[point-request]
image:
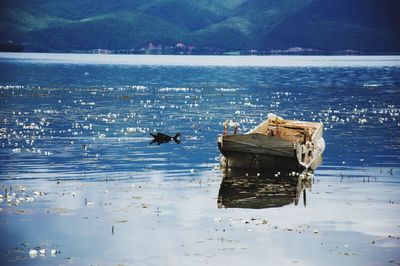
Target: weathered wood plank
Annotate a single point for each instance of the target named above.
(258, 144)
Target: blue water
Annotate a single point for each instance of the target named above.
(69, 119)
(111, 108)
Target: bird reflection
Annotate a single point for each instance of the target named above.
(240, 189)
(161, 138)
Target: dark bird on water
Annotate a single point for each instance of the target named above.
(160, 138)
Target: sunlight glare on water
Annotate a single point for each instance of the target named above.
(74, 119)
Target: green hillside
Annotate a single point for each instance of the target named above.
(55, 25)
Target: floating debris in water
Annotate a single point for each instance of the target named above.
(33, 253)
(218, 219)
(42, 252)
(38, 193)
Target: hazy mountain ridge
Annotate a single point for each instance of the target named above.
(50, 25)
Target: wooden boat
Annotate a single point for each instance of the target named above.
(276, 143)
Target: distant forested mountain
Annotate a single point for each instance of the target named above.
(63, 25)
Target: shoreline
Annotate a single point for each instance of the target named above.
(207, 60)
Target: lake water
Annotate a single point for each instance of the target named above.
(76, 127)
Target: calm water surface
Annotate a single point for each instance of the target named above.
(72, 119)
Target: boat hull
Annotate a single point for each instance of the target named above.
(257, 151)
(262, 153)
(259, 161)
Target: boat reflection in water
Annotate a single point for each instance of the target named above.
(241, 189)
